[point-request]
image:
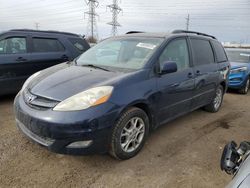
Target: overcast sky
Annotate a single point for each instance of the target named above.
(228, 20)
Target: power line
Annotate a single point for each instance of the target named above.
(45, 17)
(115, 9)
(68, 14)
(26, 6)
(92, 26)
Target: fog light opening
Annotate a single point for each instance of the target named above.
(80, 144)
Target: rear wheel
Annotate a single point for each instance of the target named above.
(215, 104)
(129, 134)
(245, 89)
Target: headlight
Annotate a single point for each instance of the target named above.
(29, 79)
(85, 99)
(238, 70)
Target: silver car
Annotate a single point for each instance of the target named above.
(236, 161)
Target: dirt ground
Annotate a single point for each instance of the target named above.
(183, 153)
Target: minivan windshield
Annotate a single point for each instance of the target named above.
(238, 55)
(130, 53)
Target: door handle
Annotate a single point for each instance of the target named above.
(65, 57)
(198, 73)
(190, 75)
(21, 59)
(175, 85)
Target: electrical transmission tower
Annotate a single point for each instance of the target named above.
(92, 27)
(37, 25)
(115, 9)
(187, 22)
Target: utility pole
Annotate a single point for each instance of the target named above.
(37, 25)
(92, 27)
(115, 9)
(187, 22)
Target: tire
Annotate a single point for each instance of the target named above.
(129, 134)
(215, 104)
(245, 89)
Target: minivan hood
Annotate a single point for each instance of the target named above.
(62, 81)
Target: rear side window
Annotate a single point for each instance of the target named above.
(13, 45)
(79, 44)
(202, 52)
(219, 51)
(47, 45)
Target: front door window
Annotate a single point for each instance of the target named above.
(13, 45)
(176, 51)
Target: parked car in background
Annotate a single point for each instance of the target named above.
(114, 94)
(236, 161)
(239, 77)
(24, 52)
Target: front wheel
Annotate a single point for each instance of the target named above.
(129, 134)
(245, 89)
(215, 104)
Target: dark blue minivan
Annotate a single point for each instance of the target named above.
(113, 95)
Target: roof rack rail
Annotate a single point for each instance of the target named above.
(48, 31)
(192, 32)
(132, 32)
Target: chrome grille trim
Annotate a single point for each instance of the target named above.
(38, 101)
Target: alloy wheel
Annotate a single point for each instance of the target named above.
(218, 98)
(247, 86)
(132, 134)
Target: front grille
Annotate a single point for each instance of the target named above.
(236, 79)
(38, 102)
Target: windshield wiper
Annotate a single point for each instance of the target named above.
(95, 66)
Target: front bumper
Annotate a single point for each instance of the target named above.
(57, 130)
(237, 80)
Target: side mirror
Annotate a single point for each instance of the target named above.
(168, 67)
